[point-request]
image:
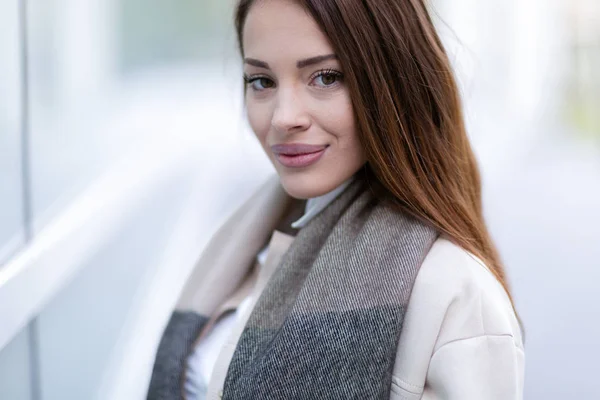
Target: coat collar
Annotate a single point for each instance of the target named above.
(230, 253)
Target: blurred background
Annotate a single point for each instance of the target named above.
(123, 146)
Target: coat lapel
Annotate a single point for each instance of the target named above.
(278, 245)
(230, 254)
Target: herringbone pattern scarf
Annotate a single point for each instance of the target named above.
(328, 323)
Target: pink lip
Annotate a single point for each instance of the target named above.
(298, 155)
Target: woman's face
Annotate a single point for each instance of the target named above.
(297, 102)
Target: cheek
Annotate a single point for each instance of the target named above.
(348, 125)
(259, 117)
(340, 122)
(338, 119)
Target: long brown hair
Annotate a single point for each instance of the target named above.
(408, 112)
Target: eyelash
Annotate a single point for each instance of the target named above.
(249, 80)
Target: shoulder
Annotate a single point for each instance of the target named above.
(455, 299)
(454, 282)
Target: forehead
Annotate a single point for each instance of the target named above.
(277, 29)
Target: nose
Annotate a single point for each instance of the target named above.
(290, 114)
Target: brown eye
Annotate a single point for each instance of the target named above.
(259, 83)
(327, 79)
(266, 83)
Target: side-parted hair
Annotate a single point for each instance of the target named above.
(408, 112)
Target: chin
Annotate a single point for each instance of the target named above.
(305, 186)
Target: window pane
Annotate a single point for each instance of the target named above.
(109, 76)
(11, 216)
(168, 31)
(584, 67)
(80, 328)
(15, 379)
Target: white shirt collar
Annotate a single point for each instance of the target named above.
(316, 204)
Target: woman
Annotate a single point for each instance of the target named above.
(363, 269)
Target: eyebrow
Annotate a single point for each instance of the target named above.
(315, 60)
(300, 64)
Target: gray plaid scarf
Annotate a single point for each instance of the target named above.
(328, 323)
